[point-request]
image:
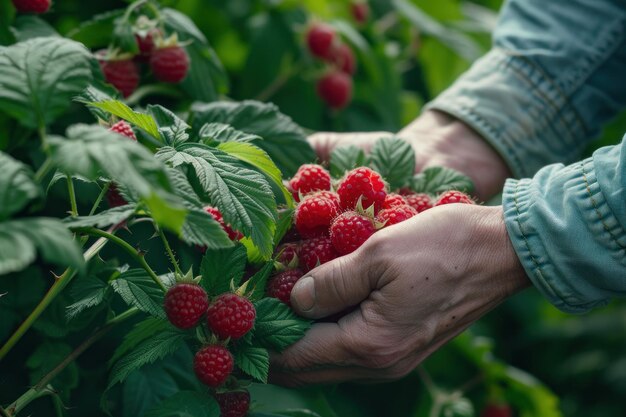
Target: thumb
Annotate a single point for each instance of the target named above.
(332, 287)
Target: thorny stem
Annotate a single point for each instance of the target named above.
(134, 253)
(72, 193)
(96, 204)
(168, 248)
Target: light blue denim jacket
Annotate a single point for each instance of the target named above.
(555, 75)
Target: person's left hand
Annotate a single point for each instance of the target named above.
(415, 286)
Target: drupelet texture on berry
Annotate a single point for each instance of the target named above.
(231, 315)
(185, 304)
(213, 364)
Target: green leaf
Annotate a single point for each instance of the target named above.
(97, 92)
(7, 14)
(28, 27)
(124, 37)
(139, 290)
(258, 281)
(45, 357)
(206, 79)
(285, 221)
(200, 228)
(394, 159)
(437, 180)
(242, 195)
(17, 186)
(346, 158)
(277, 326)
(173, 129)
(21, 239)
(39, 77)
(259, 159)
(105, 218)
(153, 347)
(186, 404)
(220, 267)
(283, 140)
(220, 132)
(253, 361)
(121, 110)
(141, 332)
(90, 292)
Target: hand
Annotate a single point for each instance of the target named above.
(438, 140)
(415, 286)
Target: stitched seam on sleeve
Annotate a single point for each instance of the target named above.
(594, 203)
(521, 230)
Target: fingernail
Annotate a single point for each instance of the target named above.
(303, 294)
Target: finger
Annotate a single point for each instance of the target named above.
(332, 287)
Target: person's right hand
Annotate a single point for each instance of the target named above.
(438, 140)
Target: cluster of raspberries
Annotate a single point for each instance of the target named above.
(331, 223)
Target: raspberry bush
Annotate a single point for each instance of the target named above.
(159, 201)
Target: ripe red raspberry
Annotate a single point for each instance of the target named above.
(314, 252)
(123, 74)
(184, 304)
(231, 315)
(213, 364)
(233, 403)
(170, 64)
(349, 231)
(360, 11)
(394, 200)
(287, 252)
(124, 129)
(497, 410)
(145, 43)
(343, 57)
(395, 215)
(310, 177)
(32, 6)
(365, 184)
(280, 285)
(314, 214)
(335, 89)
(419, 202)
(452, 197)
(217, 215)
(320, 39)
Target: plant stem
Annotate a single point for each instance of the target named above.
(28, 397)
(3, 412)
(72, 193)
(169, 250)
(278, 83)
(134, 253)
(99, 199)
(43, 169)
(44, 140)
(59, 284)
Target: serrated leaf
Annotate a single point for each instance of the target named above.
(121, 110)
(346, 158)
(97, 92)
(60, 176)
(394, 159)
(285, 221)
(89, 291)
(277, 326)
(437, 180)
(242, 195)
(259, 159)
(105, 218)
(253, 361)
(45, 357)
(220, 267)
(201, 229)
(28, 27)
(154, 346)
(20, 240)
(137, 289)
(186, 404)
(172, 128)
(283, 140)
(140, 332)
(17, 186)
(258, 281)
(39, 77)
(220, 132)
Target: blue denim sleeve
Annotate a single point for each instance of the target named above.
(568, 228)
(555, 75)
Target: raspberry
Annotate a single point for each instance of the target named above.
(365, 184)
(292, 235)
(452, 197)
(123, 74)
(316, 252)
(123, 129)
(184, 304)
(497, 410)
(32, 6)
(360, 11)
(314, 215)
(231, 315)
(286, 253)
(233, 403)
(170, 64)
(335, 89)
(343, 57)
(217, 215)
(213, 364)
(349, 231)
(419, 202)
(394, 200)
(320, 39)
(395, 215)
(280, 285)
(310, 177)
